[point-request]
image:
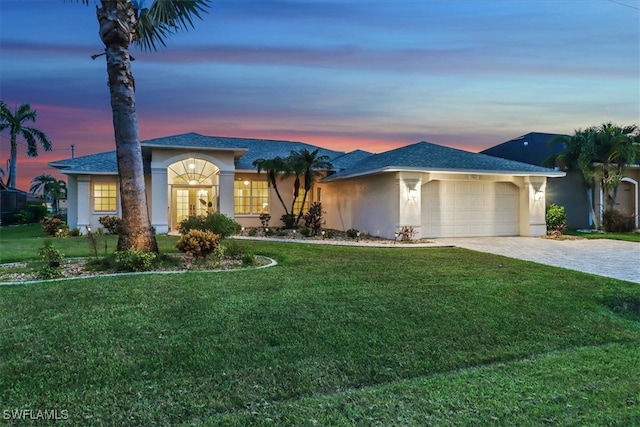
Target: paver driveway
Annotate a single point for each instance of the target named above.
(604, 257)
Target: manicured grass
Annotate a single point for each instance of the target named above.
(628, 237)
(330, 336)
(21, 243)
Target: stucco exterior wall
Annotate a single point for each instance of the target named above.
(369, 204)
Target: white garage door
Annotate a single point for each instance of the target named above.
(469, 208)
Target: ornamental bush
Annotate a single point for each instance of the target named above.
(132, 260)
(216, 223)
(111, 223)
(556, 219)
(54, 226)
(353, 233)
(198, 243)
(313, 218)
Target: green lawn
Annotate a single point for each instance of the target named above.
(330, 336)
(628, 237)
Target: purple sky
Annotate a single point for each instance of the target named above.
(373, 75)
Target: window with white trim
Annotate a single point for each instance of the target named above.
(250, 197)
(104, 197)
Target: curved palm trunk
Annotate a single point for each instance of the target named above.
(116, 18)
(272, 178)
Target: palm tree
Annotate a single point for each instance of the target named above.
(273, 167)
(122, 23)
(600, 153)
(310, 165)
(15, 123)
(49, 188)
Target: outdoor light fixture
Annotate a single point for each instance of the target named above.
(322, 232)
(413, 194)
(539, 195)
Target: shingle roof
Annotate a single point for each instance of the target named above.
(532, 148)
(420, 156)
(425, 156)
(247, 150)
(347, 160)
(100, 163)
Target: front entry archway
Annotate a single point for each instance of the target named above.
(193, 189)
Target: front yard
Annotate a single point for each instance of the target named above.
(330, 336)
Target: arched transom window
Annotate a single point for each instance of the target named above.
(193, 171)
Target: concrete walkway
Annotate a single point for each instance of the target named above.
(603, 257)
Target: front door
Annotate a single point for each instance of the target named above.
(188, 201)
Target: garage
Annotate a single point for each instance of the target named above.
(468, 208)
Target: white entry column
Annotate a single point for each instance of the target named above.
(159, 200)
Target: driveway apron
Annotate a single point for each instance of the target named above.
(603, 257)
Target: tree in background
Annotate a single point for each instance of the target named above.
(311, 165)
(273, 167)
(305, 166)
(14, 122)
(600, 153)
(123, 23)
(50, 188)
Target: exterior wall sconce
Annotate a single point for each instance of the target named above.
(413, 194)
(539, 195)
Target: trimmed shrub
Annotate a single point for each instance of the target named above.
(353, 233)
(249, 259)
(54, 226)
(49, 272)
(198, 243)
(52, 257)
(556, 219)
(289, 220)
(22, 217)
(216, 223)
(48, 253)
(305, 231)
(132, 260)
(614, 221)
(75, 232)
(406, 233)
(112, 224)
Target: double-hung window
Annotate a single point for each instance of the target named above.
(250, 197)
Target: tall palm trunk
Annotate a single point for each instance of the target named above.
(13, 169)
(117, 19)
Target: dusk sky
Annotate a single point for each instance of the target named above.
(341, 74)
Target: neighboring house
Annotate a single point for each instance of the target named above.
(570, 191)
(438, 191)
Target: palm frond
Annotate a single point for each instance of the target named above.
(165, 18)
